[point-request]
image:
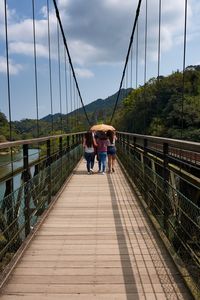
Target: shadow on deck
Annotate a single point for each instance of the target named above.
(96, 243)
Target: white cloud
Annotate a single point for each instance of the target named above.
(83, 53)
(28, 49)
(23, 31)
(98, 32)
(14, 68)
(84, 73)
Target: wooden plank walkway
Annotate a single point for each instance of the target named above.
(96, 243)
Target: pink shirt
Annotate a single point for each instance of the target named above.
(102, 145)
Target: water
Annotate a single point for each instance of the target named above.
(6, 167)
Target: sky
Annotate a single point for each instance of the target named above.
(98, 34)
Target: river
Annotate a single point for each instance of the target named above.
(6, 167)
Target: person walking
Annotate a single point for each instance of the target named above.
(111, 150)
(102, 143)
(89, 143)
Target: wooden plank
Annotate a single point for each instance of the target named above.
(95, 244)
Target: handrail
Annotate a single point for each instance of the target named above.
(187, 145)
(35, 140)
(166, 174)
(28, 190)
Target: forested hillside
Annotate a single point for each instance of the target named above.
(98, 111)
(163, 108)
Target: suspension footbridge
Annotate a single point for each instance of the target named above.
(64, 234)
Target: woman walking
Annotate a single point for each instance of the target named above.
(102, 143)
(89, 143)
(111, 151)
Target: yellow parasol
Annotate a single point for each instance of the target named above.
(102, 127)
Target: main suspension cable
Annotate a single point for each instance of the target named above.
(69, 57)
(127, 57)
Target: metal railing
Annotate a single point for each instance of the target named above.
(166, 173)
(28, 184)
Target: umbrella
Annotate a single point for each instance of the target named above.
(102, 127)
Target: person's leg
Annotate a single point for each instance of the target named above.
(92, 160)
(99, 161)
(87, 157)
(104, 156)
(113, 162)
(109, 162)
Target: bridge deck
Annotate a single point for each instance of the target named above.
(96, 243)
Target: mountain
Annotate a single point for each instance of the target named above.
(108, 103)
(100, 108)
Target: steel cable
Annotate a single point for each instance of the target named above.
(127, 57)
(69, 57)
(35, 69)
(59, 78)
(50, 69)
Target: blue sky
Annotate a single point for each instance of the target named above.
(98, 34)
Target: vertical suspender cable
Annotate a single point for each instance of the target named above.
(145, 67)
(73, 106)
(184, 58)
(131, 67)
(159, 34)
(35, 68)
(66, 89)
(76, 109)
(159, 52)
(145, 47)
(127, 80)
(59, 78)
(136, 57)
(70, 89)
(8, 85)
(50, 71)
(8, 71)
(74, 113)
(136, 63)
(74, 102)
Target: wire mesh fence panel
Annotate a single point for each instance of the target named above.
(171, 190)
(23, 203)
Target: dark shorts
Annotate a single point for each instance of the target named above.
(111, 150)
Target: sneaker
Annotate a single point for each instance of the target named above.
(89, 173)
(103, 173)
(91, 170)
